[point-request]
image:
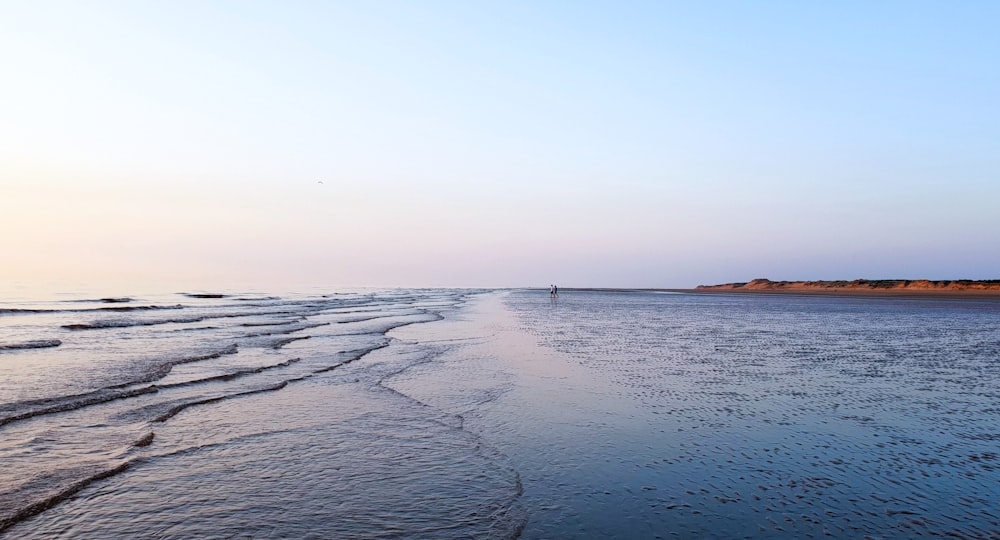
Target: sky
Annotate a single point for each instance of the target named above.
(290, 145)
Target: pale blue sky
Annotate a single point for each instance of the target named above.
(618, 144)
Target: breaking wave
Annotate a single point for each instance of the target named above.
(34, 344)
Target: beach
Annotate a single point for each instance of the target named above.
(501, 414)
(499, 270)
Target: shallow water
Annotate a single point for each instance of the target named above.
(455, 414)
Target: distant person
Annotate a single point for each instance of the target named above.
(552, 290)
(555, 290)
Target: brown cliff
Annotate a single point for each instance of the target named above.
(862, 286)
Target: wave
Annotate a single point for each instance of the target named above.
(359, 354)
(280, 323)
(283, 331)
(37, 311)
(137, 308)
(78, 401)
(195, 329)
(38, 507)
(58, 497)
(385, 328)
(282, 342)
(34, 344)
(105, 300)
(205, 295)
(174, 411)
(231, 375)
(163, 369)
(128, 323)
(60, 404)
(373, 317)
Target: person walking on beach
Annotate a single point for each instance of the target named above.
(555, 290)
(552, 290)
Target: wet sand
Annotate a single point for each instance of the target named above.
(644, 415)
(568, 433)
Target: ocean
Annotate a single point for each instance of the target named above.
(498, 414)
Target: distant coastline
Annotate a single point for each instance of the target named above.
(878, 287)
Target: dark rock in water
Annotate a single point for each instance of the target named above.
(36, 344)
(121, 300)
(204, 295)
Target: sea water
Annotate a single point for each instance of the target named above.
(477, 414)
